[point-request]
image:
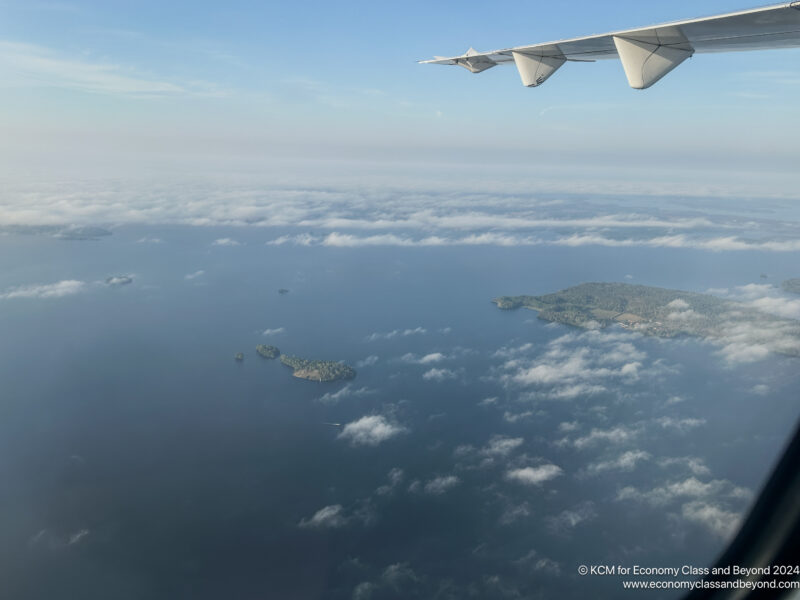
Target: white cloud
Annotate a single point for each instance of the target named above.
(370, 431)
(348, 391)
(534, 475)
(395, 333)
(149, 240)
(273, 331)
(627, 461)
(368, 362)
(695, 465)
(620, 434)
(395, 477)
(680, 425)
(439, 485)
(571, 518)
(225, 242)
(719, 521)
(195, 275)
(66, 287)
(438, 375)
(428, 359)
(329, 517)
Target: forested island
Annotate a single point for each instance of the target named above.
(661, 312)
(318, 370)
(267, 351)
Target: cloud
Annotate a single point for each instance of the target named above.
(225, 242)
(368, 362)
(66, 287)
(438, 375)
(275, 331)
(575, 365)
(30, 65)
(716, 519)
(149, 240)
(693, 464)
(395, 477)
(329, 517)
(691, 487)
(534, 475)
(439, 485)
(195, 275)
(680, 425)
(627, 461)
(348, 391)
(717, 244)
(571, 518)
(619, 434)
(395, 333)
(428, 359)
(370, 431)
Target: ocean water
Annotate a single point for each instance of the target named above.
(139, 460)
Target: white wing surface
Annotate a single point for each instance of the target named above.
(647, 53)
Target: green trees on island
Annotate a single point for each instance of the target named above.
(318, 370)
(267, 351)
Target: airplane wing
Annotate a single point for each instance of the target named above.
(647, 53)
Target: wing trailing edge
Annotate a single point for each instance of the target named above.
(647, 54)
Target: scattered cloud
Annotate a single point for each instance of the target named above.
(348, 391)
(439, 375)
(569, 519)
(328, 517)
(370, 431)
(66, 287)
(274, 331)
(534, 475)
(427, 359)
(225, 242)
(627, 461)
(195, 275)
(368, 362)
(395, 333)
(395, 478)
(439, 485)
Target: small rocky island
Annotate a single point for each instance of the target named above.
(662, 312)
(318, 370)
(267, 351)
(238, 357)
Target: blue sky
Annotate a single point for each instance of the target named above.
(340, 80)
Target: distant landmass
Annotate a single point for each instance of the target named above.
(792, 285)
(267, 351)
(661, 312)
(318, 370)
(283, 291)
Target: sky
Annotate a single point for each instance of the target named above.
(86, 82)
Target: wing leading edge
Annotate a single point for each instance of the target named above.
(648, 53)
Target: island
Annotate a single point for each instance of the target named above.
(239, 357)
(318, 370)
(792, 285)
(661, 312)
(267, 351)
(119, 280)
